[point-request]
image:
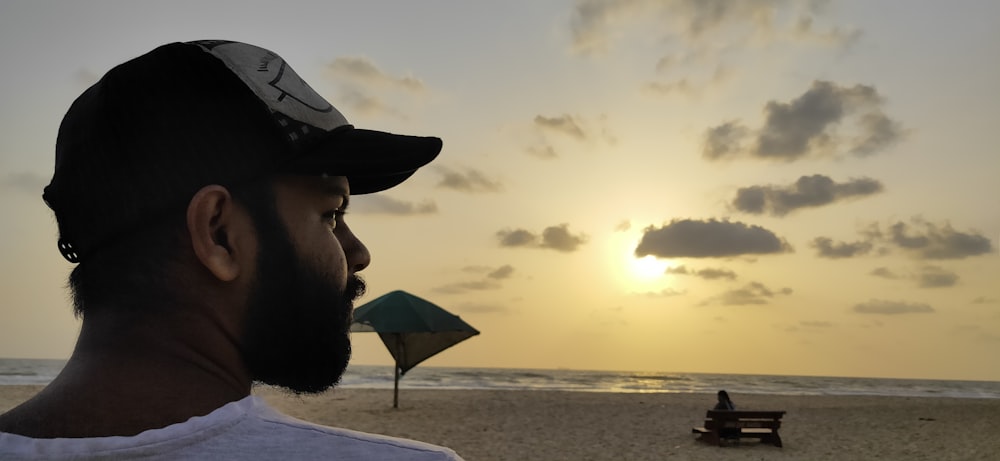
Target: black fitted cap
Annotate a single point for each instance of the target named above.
(157, 128)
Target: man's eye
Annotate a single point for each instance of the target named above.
(331, 217)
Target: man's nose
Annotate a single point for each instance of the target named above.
(358, 257)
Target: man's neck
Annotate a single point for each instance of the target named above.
(125, 379)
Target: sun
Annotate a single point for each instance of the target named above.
(648, 267)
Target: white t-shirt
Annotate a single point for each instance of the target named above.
(247, 429)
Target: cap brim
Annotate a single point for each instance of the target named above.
(373, 161)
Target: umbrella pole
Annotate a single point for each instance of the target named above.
(399, 354)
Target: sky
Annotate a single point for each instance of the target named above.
(765, 187)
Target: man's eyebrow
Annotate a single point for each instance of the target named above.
(337, 190)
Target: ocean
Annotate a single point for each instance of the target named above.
(39, 371)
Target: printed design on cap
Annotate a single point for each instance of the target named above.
(276, 84)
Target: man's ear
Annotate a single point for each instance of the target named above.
(216, 225)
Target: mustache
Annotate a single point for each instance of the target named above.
(356, 288)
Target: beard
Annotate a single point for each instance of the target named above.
(297, 333)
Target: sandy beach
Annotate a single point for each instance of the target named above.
(554, 425)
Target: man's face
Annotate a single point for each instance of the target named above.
(300, 306)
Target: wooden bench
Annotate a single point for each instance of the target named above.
(761, 425)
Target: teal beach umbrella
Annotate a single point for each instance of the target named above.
(412, 328)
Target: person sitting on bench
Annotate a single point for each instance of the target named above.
(726, 404)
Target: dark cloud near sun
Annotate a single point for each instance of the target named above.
(707, 274)
(708, 239)
(826, 120)
(557, 238)
(807, 192)
(469, 180)
(382, 204)
(883, 307)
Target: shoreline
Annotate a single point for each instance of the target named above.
(572, 425)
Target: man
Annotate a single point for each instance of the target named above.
(201, 190)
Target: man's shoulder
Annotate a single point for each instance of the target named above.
(243, 430)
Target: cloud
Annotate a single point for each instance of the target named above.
(754, 293)
(546, 130)
(807, 192)
(883, 272)
(463, 287)
(544, 151)
(882, 307)
(985, 300)
(471, 180)
(688, 86)
(926, 277)
(565, 124)
(707, 274)
(816, 324)
(623, 226)
(365, 103)
(926, 240)
(596, 24)
(496, 273)
(557, 238)
(664, 293)
(724, 140)
(364, 87)
(490, 282)
(827, 248)
(363, 70)
(501, 272)
(482, 308)
(811, 125)
(708, 239)
(837, 36)
(29, 183)
(381, 204)
(919, 238)
(936, 277)
(516, 238)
